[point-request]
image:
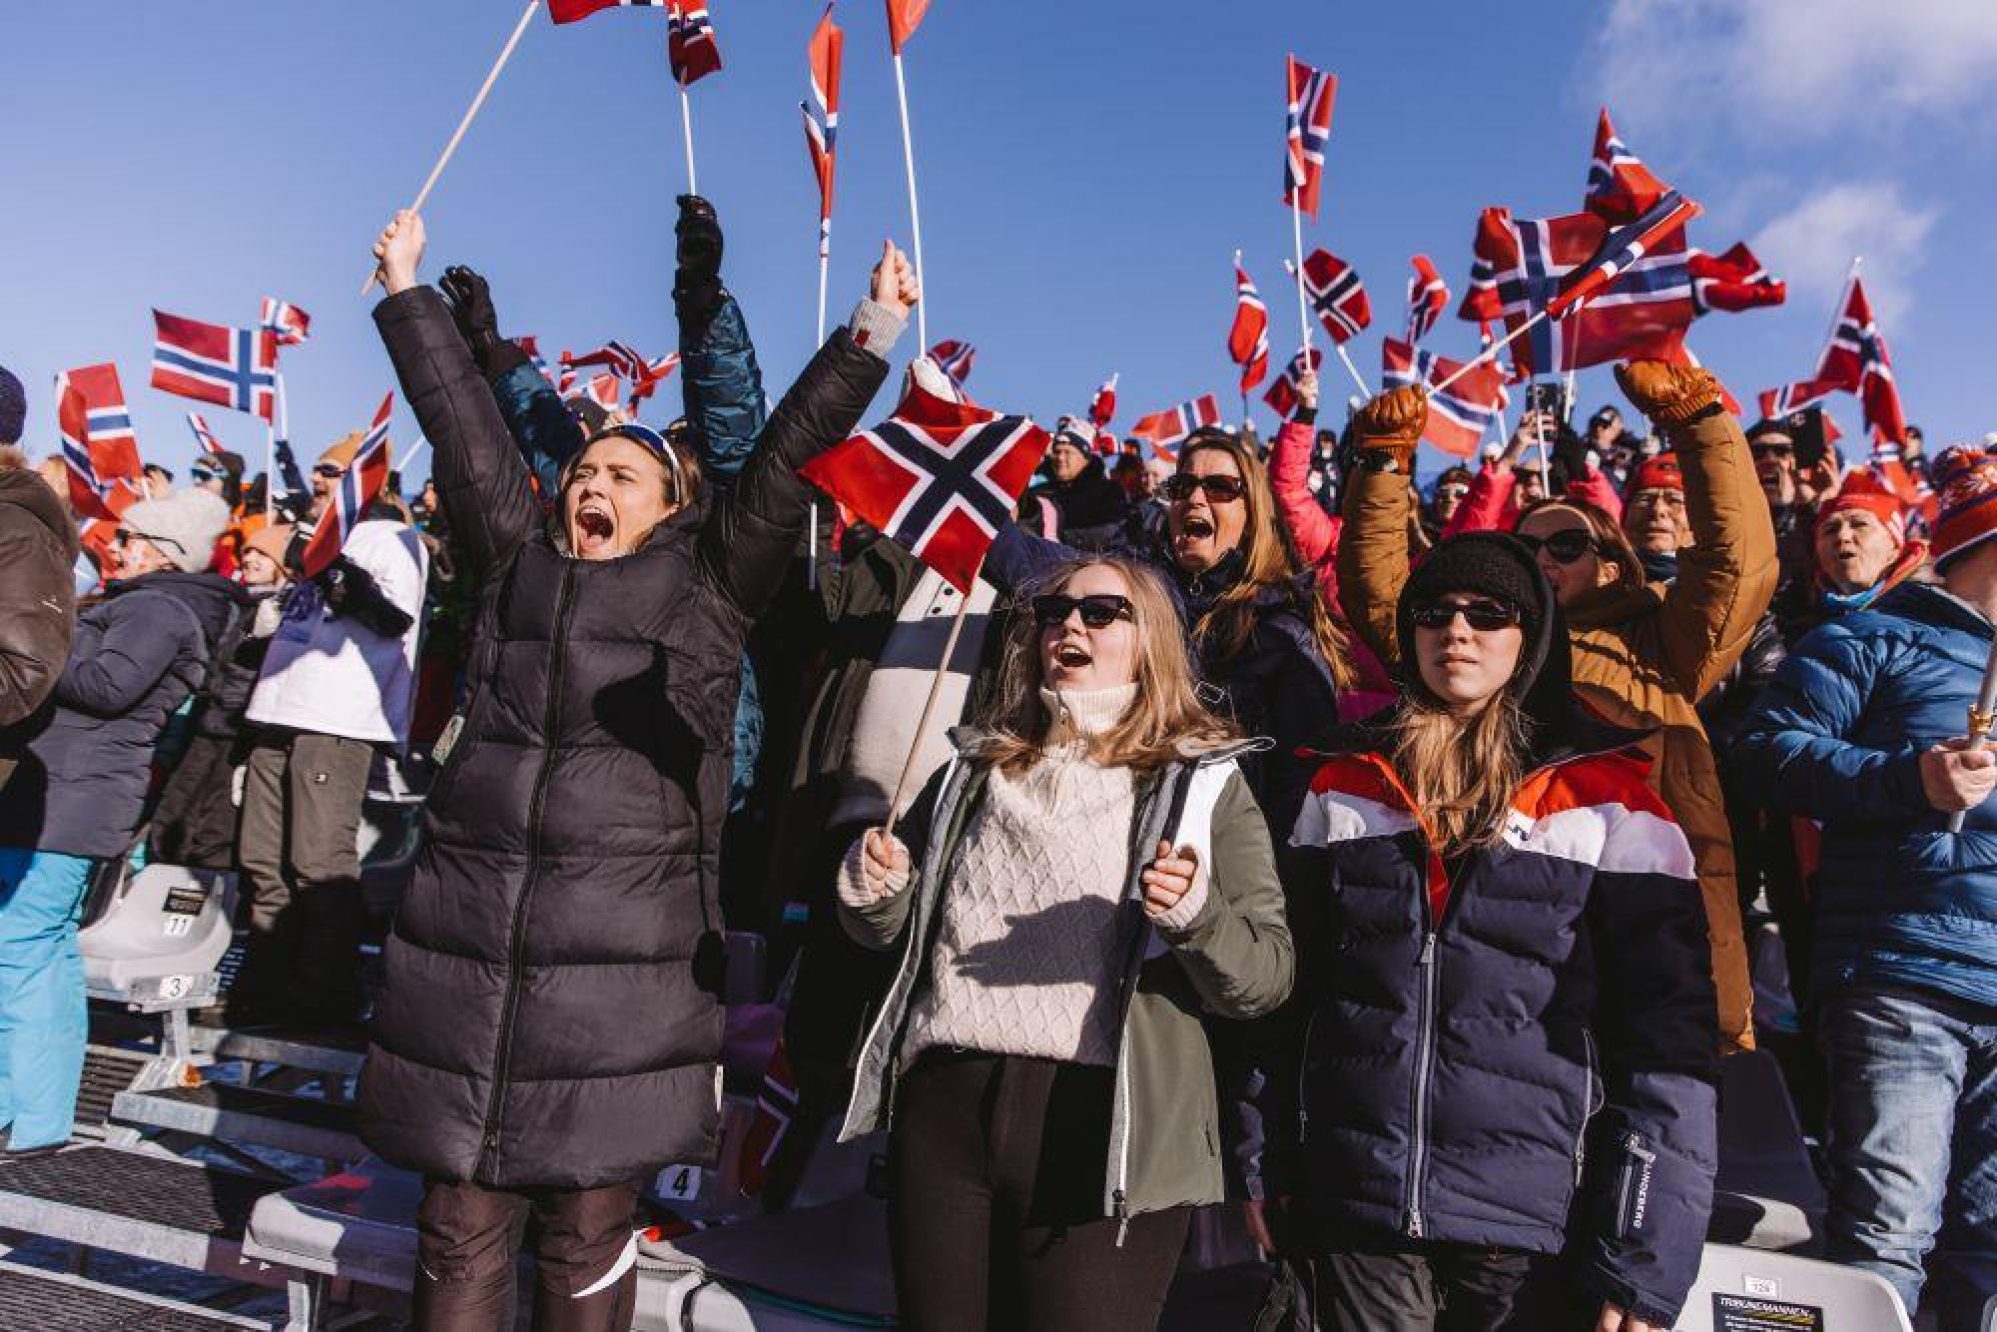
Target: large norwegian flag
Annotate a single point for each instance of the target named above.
(1620, 186)
(904, 17)
(1638, 288)
(359, 484)
(690, 45)
(1733, 281)
(1248, 337)
(291, 324)
(1459, 416)
(821, 117)
(1165, 429)
(939, 477)
(230, 367)
(1311, 93)
(87, 490)
(1282, 395)
(1428, 297)
(1337, 295)
(1102, 407)
(107, 425)
(1856, 361)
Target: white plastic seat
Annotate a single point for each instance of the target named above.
(159, 942)
(1761, 1288)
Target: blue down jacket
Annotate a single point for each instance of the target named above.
(1837, 736)
(727, 408)
(1517, 1049)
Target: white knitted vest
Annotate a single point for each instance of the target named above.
(1025, 960)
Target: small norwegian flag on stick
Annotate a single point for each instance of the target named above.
(107, 423)
(203, 436)
(230, 367)
(359, 484)
(86, 490)
(1164, 430)
(1282, 395)
(1102, 408)
(1248, 336)
(825, 55)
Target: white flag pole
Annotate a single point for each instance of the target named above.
(422, 442)
(471, 113)
(811, 513)
(1352, 369)
(929, 704)
(686, 126)
(1490, 353)
(270, 453)
(1297, 235)
(914, 218)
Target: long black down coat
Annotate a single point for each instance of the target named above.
(545, 1022)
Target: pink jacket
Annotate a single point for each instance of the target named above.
(1489, 506)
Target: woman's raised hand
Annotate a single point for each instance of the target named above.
(895, 284)
(884, 861)
(1307, 388)
(1169, 878)
(399, 251)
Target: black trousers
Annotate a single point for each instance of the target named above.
(585, 1270)
(996, 1209)
(1391, 1284)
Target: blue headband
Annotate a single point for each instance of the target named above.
(653, 440)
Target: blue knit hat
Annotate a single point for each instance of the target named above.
(13, 407)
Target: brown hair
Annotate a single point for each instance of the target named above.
(1611, 542)
(1166, 720)
(1461, 773)
(1266, 561)
(682, 483)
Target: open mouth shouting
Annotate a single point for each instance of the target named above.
(595, 528)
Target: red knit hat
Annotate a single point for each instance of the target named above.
(1968, 510)
(1863, 490)
(1659, 473)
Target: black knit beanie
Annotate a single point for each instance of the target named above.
(1485, 564)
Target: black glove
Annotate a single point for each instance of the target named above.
(470, 297)
(697, 285)
(351, 591)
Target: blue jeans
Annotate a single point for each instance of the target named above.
(1912, 1144)
(43, 1017)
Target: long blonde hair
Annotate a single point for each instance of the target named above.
(1462, 774)
(1266, 561)
(1165, 721)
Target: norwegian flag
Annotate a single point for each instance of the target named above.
(291, 324)
(1311, 93)
(1165, 429)
(1794, 397)
(690, 44)
(1336, 294)
(86, 489)
(230, 367)
(939, 477)
(1620, 186)
(359, 484)
(531, 344)
(107, 426)
(904, 17)
(954, 359)
(603, 390)
(203, 436)
(621, 358)
(1248, 338)
(1732, 281)
(1102, 407)
(821, 117)
(568, 11)
(1282, 395)
(776, 1106)
(1428, 297)
(1459, 416)
(1524, 265)
(1857, 362)
(654, 374)
(1624, 248)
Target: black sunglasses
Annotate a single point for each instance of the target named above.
(1483, 616)
(1564, 547)
(125, 536)
(328, 470)
(1771, 450)
(1099, 611)
(1219, 487)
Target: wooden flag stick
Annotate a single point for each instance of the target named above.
(471, 113)
(686, 125)
(929, 704)
(914, 224)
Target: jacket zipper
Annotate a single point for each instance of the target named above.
(1303, 1073)
(1587, 1105)
(1634, 1183)
(1424, 1071)
(489, 1154)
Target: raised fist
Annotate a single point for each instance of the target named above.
(1668, 394)
(1392, 423)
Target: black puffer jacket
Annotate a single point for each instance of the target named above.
(80, 789)
(552, 1016)
(37, 604)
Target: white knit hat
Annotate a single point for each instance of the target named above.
(184, 526)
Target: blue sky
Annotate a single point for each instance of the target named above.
(1087, 171)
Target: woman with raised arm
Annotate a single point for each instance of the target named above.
(550, 1030)
(1071, 894)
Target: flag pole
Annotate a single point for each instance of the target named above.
(686, 126)
(422, 442)
(1297, 236)
(1490, 353)
(270, 453)
(811, 510)
(471, 113)
(1352, 369)
(1982, 714)
(915, 229)
(929, 704)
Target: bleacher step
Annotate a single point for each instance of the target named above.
(107, 1071)
(246, 1116)
(58, 1302)
(292, 1047)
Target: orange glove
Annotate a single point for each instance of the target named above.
(1668, 394)
(1392, 423)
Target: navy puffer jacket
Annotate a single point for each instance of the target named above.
(1517, 1049)
(1837, 736)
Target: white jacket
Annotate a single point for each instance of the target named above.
(334, 677)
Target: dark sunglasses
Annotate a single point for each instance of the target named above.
(1771, 450)
(1099, 611)
(1483, 616)
(1219, 488)
(124, 536)
(1563, 547)
(328, 470)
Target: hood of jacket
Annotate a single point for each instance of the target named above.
(209, 595)
(27, 491)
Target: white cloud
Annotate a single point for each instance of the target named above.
(1812, 245)
(1809, 68)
